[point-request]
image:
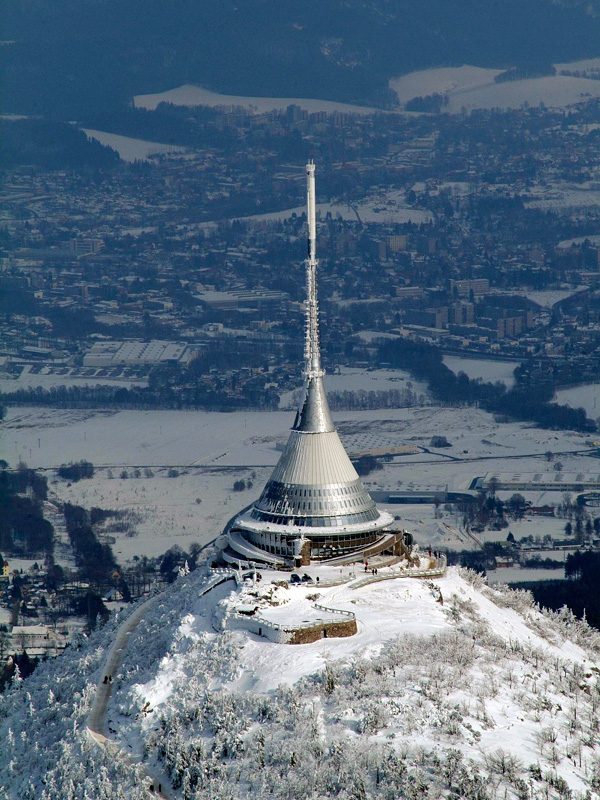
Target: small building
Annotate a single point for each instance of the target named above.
(504, 561)
(37, 640)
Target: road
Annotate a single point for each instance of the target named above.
(436, 457)
(96, 722)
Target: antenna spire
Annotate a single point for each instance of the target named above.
(312, 353)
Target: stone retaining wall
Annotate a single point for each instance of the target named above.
(300, 634)
(326, 630)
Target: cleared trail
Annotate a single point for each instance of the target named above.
(96, 722)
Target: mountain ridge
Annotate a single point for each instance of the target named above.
(71, 58)
(482, 697)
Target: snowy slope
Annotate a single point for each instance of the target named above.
(482, 696)
(130, 149)
(469, 87)
(484, 676)
(190, 95)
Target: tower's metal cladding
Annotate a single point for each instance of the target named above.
(312, 352)
(314, 491)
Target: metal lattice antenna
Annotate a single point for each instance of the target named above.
(312, 352)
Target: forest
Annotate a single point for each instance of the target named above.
(531, 402)
(579, 592)
(67, 58)
(23, 529)
(52, 145)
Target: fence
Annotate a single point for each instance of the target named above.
(434, 572)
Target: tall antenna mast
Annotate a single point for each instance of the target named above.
(312, 354)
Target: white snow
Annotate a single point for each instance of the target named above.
(486, 659)
(385, 207)
(190, 95)
(46, 379)
(546, 298)
(130, 149)
(444, 80)
(470, 87)
(165, 510)
(593, 239)
(482, 676)
(485, 368)
(210, 451)
(351, 379)
(557, 91)
(585, 65)
(520, 575)
(586, 396)
(563, 196)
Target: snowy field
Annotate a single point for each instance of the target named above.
(591, 65)
(593, 239)
(442, 529)
(522, 575)
(386, 207)
(190, 95)
(445, 80)
(210, 451)
(46, 437)
(46, 380)
(350, 379)
(485, 368)
(530, 525)
(470, 87)
(438, 530)
(562, 196)
(130, 149)
(586, 396)
(546, 298)
(192, 507)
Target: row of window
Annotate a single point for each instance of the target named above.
(285, 507)
(321, 546)
(276, 490)
(317, 522)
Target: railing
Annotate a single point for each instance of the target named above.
(329, 610)
(218, 576)
(431, 572)
(290, 627)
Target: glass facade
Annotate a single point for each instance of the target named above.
(322, 545)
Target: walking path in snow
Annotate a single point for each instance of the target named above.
(96, 723)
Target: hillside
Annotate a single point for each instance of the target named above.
(481, 696)
(69, 58)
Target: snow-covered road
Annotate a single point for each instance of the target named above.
(97, 717)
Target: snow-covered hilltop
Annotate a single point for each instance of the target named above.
(448, 689)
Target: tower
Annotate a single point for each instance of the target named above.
(314, 506)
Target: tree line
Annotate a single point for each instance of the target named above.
(579, 592)
(531, 402)
(23, 529)
(96, 561)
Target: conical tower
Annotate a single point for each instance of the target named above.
(314, 504)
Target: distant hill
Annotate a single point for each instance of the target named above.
(55, 145)
(70, 57)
